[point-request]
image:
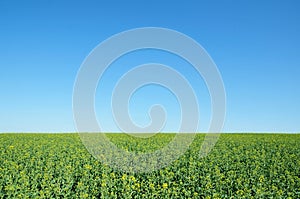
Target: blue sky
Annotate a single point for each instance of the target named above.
(255, 44)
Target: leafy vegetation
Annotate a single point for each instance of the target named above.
(239, 166)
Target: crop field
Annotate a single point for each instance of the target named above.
(239, 166)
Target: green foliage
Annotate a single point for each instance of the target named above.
(240, 166)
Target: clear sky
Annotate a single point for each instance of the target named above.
(255, 44)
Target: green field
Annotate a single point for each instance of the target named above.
(239, 166)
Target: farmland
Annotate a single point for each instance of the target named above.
(239, 166)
